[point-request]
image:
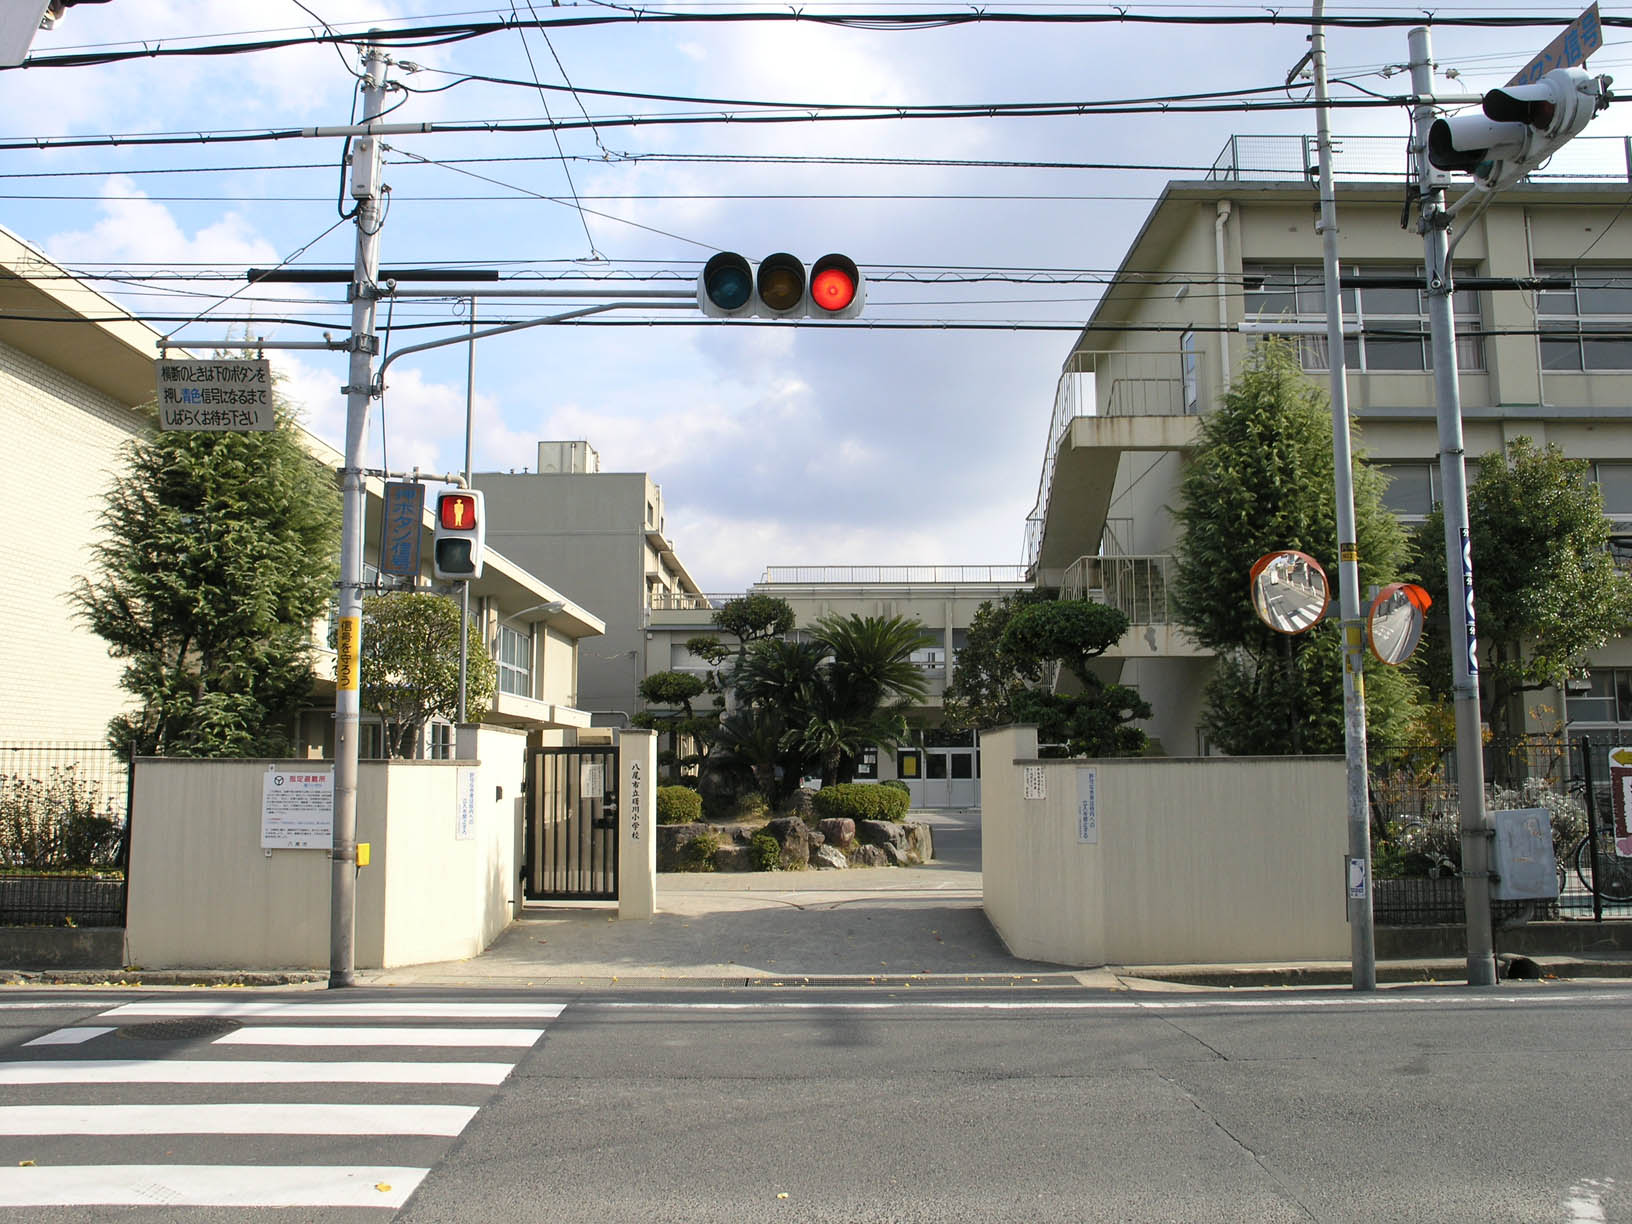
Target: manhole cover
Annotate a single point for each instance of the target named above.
(179, 1030)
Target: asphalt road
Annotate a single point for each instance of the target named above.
(901, 1104)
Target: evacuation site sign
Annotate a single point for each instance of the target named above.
(297, 809)
(219, 396)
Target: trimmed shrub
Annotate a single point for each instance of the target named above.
(897, 784)
(764, 852)
(699, 852)
(862, 801)
(678, 805)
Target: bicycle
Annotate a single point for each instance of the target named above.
(1614, 881)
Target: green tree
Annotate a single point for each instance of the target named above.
(410, 666)
(987, 678)
(218, 556)
(1546, 591)
(1260, 480)
(753, 617)
(668, 690)
(1093, 720)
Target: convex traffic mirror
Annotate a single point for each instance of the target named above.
(1394, 622)
(1289, 591)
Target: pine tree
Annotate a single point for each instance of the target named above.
(1261, 480)
(218, 558)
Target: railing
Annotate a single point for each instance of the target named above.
(689, 601)
(898, 575)
(101, 777)
(1138, 587)
(1279, 158)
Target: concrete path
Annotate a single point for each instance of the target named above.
(863, 923)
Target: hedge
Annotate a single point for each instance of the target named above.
(862, 801)
(678, 805)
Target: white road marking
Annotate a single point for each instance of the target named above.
(209, 1186)
(182, 1071)
(298, 1035)
(235, 1119)
(68, 1036)
(339, 1011)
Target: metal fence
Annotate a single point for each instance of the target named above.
(1415, 817)
(1282, 158)
(80, 901)
(94, 765)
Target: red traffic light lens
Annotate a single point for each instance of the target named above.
(457, 511)
(832, 289)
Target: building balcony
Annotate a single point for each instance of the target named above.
(1141, 589)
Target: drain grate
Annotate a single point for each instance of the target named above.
(179, 1030)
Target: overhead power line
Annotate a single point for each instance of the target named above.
(452, 32)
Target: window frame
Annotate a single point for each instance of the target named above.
(1566, 328)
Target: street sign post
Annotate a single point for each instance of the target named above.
(1581, 38)
(218, 396)
(402, 519)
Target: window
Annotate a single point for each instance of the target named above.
(441, 741)
(1413, 491)
(1586, 327)
(1394, 336)
(1604, 699)
(515, 662)
(1614, 481)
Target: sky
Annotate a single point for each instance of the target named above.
(774, 445)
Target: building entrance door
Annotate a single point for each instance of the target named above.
(950, 779)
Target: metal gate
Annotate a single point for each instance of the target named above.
(572, 824)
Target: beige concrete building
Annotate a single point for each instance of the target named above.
(602, 538)
(1242, 245)
(76, 376)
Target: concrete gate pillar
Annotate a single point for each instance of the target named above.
(637, 823)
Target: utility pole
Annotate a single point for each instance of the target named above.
(1362, 939)
(365, 189)
(464, 587)
(1475, 825)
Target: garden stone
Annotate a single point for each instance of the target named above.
(733, 858)
(672, 841)
(827, 857)
(897, 856)
(920, 845)
(868, 856)
(802, 803)
(816, 837)
(881, 833)
(840, 830)
(793, 835)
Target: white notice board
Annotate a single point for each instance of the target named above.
(464, 822)
(1088, 805)
(297, 809)
(1035, 786)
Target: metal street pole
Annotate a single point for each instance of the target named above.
(464, 587)
(365, 189)
(1362, 940)
(1476, 829)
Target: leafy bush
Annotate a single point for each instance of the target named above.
(699, 852)
(764, 852)
(897, 784)
(678, 805)
(862, 801)
(751, 807)
(1431, 845)
(57, 821)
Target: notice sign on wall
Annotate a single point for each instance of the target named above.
(297, 809)
(464, 821)
(1088, 806)
(1035, 787)
(215, 395)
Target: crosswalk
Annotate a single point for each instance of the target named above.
(263, 1103)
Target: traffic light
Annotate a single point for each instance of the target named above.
(461, 532)
(730, 287)
(1521, 127)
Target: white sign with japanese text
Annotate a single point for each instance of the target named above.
(464, 822)
(218, 396)
(297, 809)
(1088, 806)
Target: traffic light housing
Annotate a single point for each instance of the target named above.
(780, 287)
(1521, 126)
(461, 535)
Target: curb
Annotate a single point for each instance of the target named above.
(161, 977)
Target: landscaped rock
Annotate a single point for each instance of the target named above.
(897, 856)
(793, 835)
(920, 845)
(672, 841)
(868, 856)
(840, 830)
(827, 857)
(816, 838)
(802, 803)
(881, 833)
